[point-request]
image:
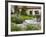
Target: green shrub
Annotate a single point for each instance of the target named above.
(16, 20)
(20, 19)
(29, 27)
(33, 27)
(14, 27)
(13, 19)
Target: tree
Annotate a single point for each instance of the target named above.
(23, 12)
(16, 10)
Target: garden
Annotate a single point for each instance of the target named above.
(17, 18)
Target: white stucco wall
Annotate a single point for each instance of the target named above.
(33, 11)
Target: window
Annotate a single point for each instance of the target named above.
(31, 12)
(36, 12)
